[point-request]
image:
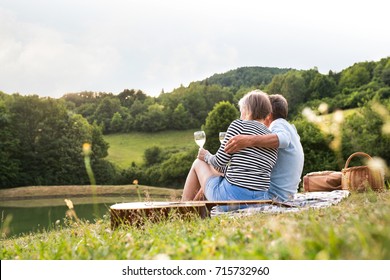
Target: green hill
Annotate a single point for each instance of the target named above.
(245, 77)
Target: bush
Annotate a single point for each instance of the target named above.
(218, 120)
(362, 132)
(175, 169)
(316, 146)
(153, 156)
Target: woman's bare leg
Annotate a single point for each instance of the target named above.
(191, 186)
(200, 194)
(196, 180)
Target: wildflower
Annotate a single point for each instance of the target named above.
(323, 108)
(377, 163)
(86, 149)
(69, 203)
(386, 128)
(338, 116)
(71, 213)
(161, 257)
(311, 115)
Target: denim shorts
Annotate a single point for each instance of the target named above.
(218, 188)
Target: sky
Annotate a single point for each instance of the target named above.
(54, 47)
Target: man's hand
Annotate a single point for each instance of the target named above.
(236, 143)
(240, 142)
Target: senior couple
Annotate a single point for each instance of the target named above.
(260, 158)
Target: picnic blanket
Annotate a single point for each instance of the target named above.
(301, 201)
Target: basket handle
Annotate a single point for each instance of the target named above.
(356, 154)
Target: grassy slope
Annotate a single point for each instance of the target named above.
(357, 228)
(126, 148)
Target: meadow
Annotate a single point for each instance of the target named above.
(355, 229)
(126, 148)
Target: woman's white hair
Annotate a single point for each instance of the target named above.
(256, 105)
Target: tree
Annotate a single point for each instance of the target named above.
(105, 111)
(194, 101)
(99, 145)
(386, 74)
(244, 77)
(180, 118)
(64, 162)
(215, 94)
(128, 97)
(354, 77)
(362, 132)
(138, 108)
(322, 86)
(218, 120)
(87, 110)
(48, 142)
(9, 166)
(154, 119)
(27, 119)
(292, 86)
(293, 89)
(116, 123)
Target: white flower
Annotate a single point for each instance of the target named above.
(323, 108)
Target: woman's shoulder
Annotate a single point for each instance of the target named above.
(237, 122)
(235, 127)
(256, 127)
(252, 126)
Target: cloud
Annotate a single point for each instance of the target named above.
(38, 60)
(52, 47)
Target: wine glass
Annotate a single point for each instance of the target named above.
(222, 136)
(200, 138)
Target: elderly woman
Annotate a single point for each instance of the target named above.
(245, 175)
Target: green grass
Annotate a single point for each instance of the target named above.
(356, 228)
(127, 148)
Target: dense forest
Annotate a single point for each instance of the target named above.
(41, 140)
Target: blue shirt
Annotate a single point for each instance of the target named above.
(286, 174)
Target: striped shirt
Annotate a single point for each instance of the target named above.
(250, 167)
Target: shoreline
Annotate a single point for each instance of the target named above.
(80, 191)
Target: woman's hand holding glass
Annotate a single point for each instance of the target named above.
(202, 153)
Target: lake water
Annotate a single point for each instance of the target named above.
(25, 216)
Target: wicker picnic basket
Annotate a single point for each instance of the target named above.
(361, 178)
